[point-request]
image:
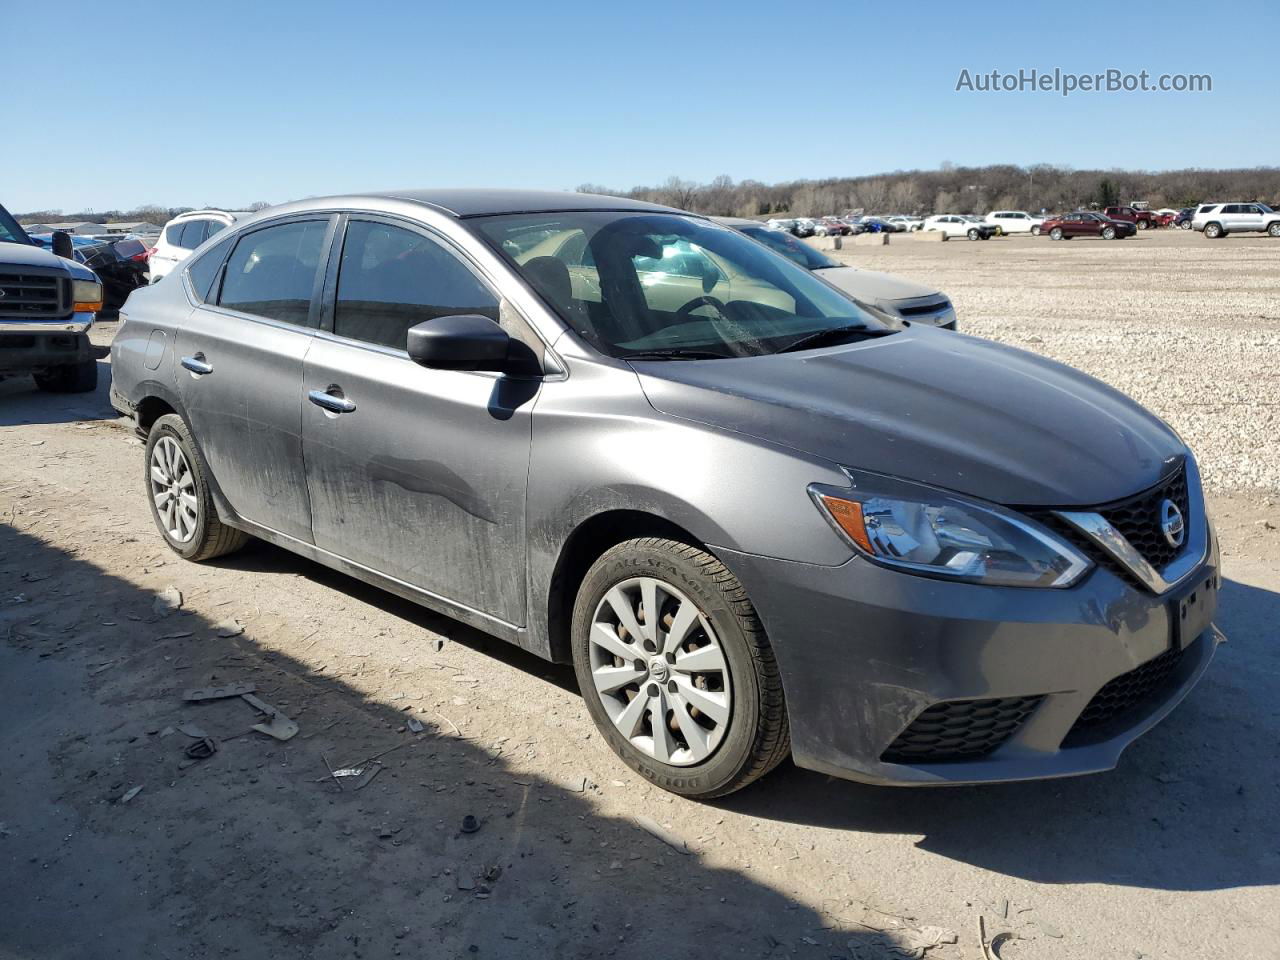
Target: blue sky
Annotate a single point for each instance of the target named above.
(230, 102)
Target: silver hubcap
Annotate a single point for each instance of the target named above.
(173, 488)
(660, 671)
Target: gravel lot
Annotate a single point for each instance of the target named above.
(1187, 326)
(250, 854)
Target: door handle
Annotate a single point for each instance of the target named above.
(329, 402)
(197, 364)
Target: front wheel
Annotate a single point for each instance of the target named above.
(1213, 231)
(1055, 233)
(1108, 233)
(178, 490)
(1143, 225)
(676, 670)
(973, 234)
(1274, 229)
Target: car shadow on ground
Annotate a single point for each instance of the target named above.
(1186, 809)
(255, 852)
(21, 402)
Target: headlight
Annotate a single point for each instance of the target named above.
(931, 532)
(86, 295)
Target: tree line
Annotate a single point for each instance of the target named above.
(966, 190)
(148, 213)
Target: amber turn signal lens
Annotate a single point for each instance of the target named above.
(848, 515)
(88, 307)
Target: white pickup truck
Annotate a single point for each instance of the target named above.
(47, 305)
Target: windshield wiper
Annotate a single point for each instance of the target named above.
(833, 336)
(676, 353)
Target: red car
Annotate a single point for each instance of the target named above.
(1086, 223)
(831, 227)
(1141, 219)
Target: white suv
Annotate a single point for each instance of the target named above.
(184, 233)
(1218, 219)
(1015, 221)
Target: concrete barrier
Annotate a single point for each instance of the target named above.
(871, 239)
(932, 236)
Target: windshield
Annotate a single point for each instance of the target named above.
(10, 232)
(790, 247)
(642, 283)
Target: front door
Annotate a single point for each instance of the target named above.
(415, 473)
(241, 372)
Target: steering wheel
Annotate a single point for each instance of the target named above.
(683, 313)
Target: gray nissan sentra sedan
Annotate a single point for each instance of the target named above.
(759, 517)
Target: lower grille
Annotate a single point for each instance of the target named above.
(960, 730)
(1125, 693)
(26, 295)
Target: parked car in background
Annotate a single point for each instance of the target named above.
(1183, 218)
(804, 227)
(892, 553)
(1219, 219)
(1015, 221)
(781, 224)
(882, 225)
(48, 301)
(954, 225)
(905, 223)
(1141, 219)
(830, 227)
(1087, 223)
(121, 265)
(184, 233)
(902, 298)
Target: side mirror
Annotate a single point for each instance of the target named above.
(62, 245)
(464, 342)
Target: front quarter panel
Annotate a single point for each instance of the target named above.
(598, 446)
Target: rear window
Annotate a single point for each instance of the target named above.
(193, 234)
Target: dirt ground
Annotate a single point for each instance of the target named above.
(251, 853)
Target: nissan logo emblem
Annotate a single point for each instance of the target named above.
(1171, 524)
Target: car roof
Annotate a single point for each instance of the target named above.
(739, 222)
(485, 202)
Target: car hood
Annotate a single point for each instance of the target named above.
(937, 407)
(30, 255)
(872, 287)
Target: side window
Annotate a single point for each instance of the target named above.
(272, 271)
(216, 226)
(173, 233)
(193, 234)
(204, 270)
(390, 279)
(1231, 208)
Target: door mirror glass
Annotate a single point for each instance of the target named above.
(460, 342)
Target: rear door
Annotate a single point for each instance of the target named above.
(418, 474)
(241, 376)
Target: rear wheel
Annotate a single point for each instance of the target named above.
(74, 378)
(1143, 225)
(676, 670)
(178, 491)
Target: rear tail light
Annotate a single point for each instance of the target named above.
(144, 256)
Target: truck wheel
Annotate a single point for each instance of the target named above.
(1055, 233)
(676, 670)
(178, 490)
(74, 378)
(1213, 230)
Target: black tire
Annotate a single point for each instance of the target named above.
(212, 538)
(1108, 233)
(973, 233)
(1056, 233)
(757, 737)
(74, 378)
(1143, 225)
(1274, 229)
(1214, 230)
(1035, 229)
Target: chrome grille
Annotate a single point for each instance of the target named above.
(31, 296)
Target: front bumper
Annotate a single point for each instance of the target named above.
(39, 349)
(864, 651)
